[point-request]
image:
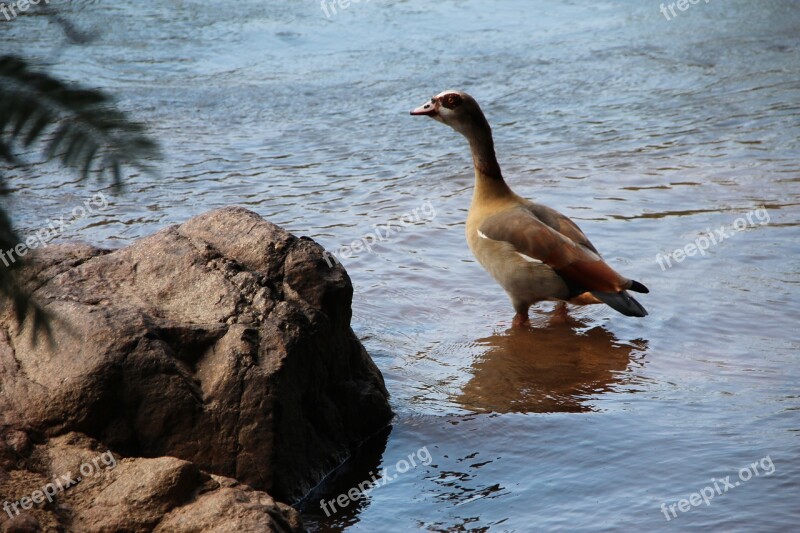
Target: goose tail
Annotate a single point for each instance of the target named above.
(622, 302)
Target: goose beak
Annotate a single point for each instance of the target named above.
(428, 108)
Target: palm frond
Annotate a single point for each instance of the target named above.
(12, 290)
(80, 128)
(85, 124)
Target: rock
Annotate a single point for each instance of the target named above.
(241, 508)
(15, 485)
(135, 495)
(23, 523)
(14, 446)
(224, 342)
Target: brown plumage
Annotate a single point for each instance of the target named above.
(534, 252)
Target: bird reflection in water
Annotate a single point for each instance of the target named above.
(561, 366)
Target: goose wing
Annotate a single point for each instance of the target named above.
(557, 242)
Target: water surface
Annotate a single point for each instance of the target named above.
(649, 133)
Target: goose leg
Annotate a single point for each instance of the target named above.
(520, 320)
(560, 314)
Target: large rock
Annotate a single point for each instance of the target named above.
(224, 342)
(112, 494)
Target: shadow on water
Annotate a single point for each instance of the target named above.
(363, 465)
(561, 367)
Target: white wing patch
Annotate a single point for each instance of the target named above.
(528, 258)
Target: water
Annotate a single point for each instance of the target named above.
(647, 132)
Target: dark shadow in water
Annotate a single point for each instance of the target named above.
(548, 369)
(363, 465)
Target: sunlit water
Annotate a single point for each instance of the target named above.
(648, 132)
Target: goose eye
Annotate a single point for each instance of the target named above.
(451, 100)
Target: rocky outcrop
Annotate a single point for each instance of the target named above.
(224, 342)
(112, 494)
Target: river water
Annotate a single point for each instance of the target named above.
(650, 133)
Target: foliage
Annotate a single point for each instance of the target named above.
(80, 128)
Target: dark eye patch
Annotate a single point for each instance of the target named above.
(451, 100)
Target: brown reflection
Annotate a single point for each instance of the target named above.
(554, 368)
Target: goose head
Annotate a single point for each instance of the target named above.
(457, 109)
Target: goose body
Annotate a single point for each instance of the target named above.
(534, 252)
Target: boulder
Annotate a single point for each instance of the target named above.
(93, 491)
(224, 342)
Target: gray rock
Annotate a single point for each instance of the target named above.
(224, 342)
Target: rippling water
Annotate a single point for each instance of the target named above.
(648, 132)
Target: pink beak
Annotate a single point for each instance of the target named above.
(428, 108)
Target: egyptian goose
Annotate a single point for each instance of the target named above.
(534, 252)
